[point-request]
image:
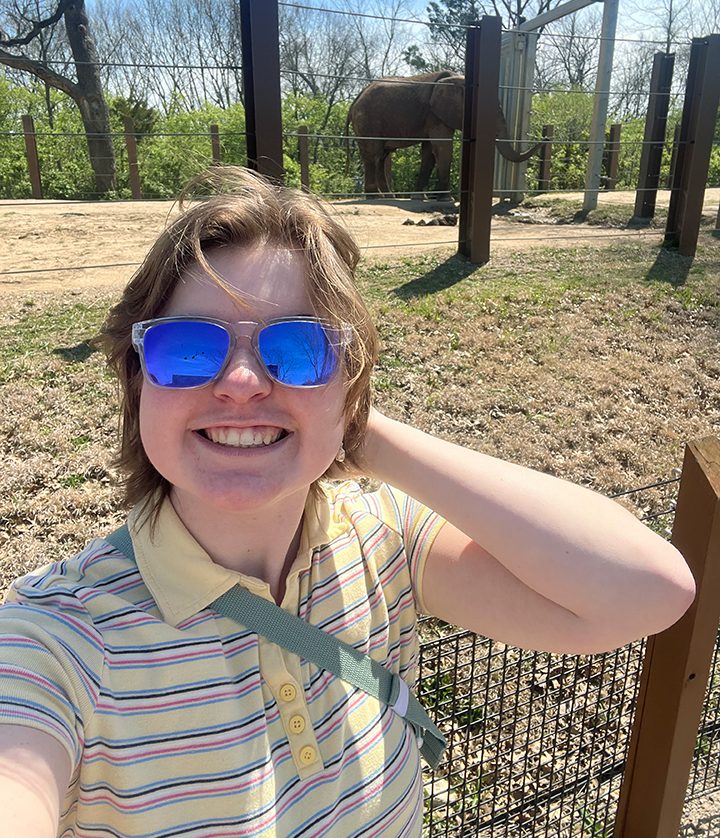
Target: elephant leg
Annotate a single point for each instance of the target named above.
(427, 163)
(370, 154)
(386, 173)
(443, 158)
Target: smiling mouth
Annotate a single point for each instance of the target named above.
(244, 437)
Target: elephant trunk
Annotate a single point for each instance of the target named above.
(505, 146)
(514, 156)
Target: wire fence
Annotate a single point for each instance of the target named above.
(167, 159)
(537, 743)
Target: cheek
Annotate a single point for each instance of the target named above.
(158, 411)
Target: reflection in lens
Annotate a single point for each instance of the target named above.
(184, 353)
(298, 353)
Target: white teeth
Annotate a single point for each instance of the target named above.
(244, 437)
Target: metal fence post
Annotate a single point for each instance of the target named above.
(673, 156)
(131, 146)
(261, 81)
(482, 73)
(302, 135)
(676, 665)
(613, 153)
(544, 169)
(702, 95)
(654, 137)
(600, 104)
(215, 142)
(32, 155)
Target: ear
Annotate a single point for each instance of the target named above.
(447, 101)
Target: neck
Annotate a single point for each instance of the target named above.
(261, 542)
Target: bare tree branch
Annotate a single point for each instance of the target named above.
(37, 27)
(41, 71)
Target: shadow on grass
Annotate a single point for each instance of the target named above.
(708, 826)
(445, 275)
(75, 354)
(670, 266)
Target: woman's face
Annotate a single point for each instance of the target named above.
(243, 442)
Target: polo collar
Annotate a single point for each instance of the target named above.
(183, 579)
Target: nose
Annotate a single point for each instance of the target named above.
(244, 377)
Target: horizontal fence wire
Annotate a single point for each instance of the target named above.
(559, 141)
(547, 242)
(465, 26)
(139, 65)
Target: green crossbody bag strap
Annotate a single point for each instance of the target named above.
(333, 655)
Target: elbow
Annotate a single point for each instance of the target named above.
(673, 592)
(684, 594)
(669, 593)
(658, 603)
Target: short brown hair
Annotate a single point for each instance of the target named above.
(237, 207)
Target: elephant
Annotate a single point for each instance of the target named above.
(425, 109)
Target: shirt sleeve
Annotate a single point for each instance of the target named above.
(51, 661)
(419, 526)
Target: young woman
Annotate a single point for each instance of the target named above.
(130, 707)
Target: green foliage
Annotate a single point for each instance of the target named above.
(181, 147)
(174, 147)
(330, 169)
(570, 114)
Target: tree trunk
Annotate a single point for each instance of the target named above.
(90, 99)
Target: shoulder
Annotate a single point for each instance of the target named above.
(72, 585)
(379, 503)
(95, 565)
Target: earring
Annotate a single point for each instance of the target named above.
(340, 456)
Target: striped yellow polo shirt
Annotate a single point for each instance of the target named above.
(181, 722)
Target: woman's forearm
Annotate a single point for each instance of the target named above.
(569, 544)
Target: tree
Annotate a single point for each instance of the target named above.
(567, 56)
(86, 91)
(448, 21)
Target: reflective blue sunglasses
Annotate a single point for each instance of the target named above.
(187, 352)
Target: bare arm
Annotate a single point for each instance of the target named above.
(527, 558)
(34, 775)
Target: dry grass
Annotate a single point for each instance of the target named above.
(595, 363)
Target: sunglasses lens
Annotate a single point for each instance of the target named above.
(299, 353)
(184, 353)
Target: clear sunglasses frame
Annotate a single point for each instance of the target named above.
(139, 330)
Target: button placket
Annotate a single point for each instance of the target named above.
(290, 698)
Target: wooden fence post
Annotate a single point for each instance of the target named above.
(702, 96)
(215, 142)
(302, 135)
(132, 157)
(613, 153)
(654, 136)
(32, 155)
(261, 82)
(676, 665)
(482, 73)
(544, 171)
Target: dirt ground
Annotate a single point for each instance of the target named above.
(51, 245)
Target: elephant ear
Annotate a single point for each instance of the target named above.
(447, 101)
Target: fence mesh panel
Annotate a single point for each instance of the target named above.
(705, 774)
(536, 742)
